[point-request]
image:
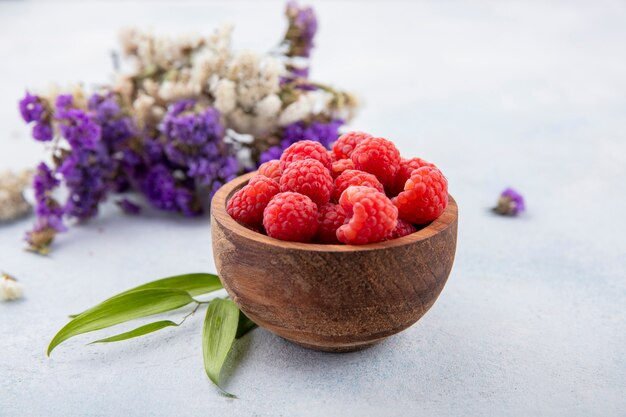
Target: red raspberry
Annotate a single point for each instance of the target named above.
(330, 217)
(346, 143)
(341, 166)
(271, 169)
(308, 177)
(305, 149)
(377, 156)
(247, 205)
(291, 216)
(403, 228)
(425, 196)
(353, 177)
(407, 166)
(372, 216)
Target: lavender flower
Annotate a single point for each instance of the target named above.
(323, 131)
(165, 193)
(32, 108)
(115, 126)
(64, 101)
(49, 211)
(42, 132)
(301, 31)
(79, 129)
(194, 139)
(271, 153)
(510, 203)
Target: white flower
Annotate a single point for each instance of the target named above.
(297, 110)
(143, 106)
(268, 107)
(10, 289)
(225, 95)
(244, 66)
(13, 205)
(175, 90)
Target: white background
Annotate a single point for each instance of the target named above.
(532, 321)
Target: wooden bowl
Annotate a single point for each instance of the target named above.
(331, 297)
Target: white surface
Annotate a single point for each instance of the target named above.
(532, 320)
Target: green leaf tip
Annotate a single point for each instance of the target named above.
(122, 308)
(218, 335)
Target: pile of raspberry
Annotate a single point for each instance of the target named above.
(362, 191)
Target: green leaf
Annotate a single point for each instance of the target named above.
(194, 284)
(120, 309)
(244, 326)
(220, 328)
(139, 331)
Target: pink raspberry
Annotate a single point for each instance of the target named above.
(291, 216)
(346, 143)
(246, 205)
(403, 228)
(354, 177)
(341, 166)
(308, 177)
(425, 196)
(331, 216)
(377, 156)
(271, 169)
(407, 166)
(305, 149)
(371, 216)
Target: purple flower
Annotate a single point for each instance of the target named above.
(162, 190)
(115, 126)
(510, 203)
(271, 153)
(64, 101)
(44, 182)
(128, 207)
(194, 141)
(42, 132)
(301, 31)
(79, 129)
(321, 131)
(32, 108)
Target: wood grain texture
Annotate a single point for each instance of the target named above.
(331, 297)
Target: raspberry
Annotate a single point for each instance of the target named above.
(377, 156)
(330, 217)
(372, 216)
(407, 166)
(344, 146)
(305, 149)
(425, 196)
(247, 205)
(308, 177)
(340, 166)
(403, 228)
(290, 216)
(353, 177)
(271, 169)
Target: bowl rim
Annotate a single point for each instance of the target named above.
(218, 212)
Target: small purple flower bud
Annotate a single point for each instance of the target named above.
(31, 108)
(42, 132)
(510, 203)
